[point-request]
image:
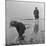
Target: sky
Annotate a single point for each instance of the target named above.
(23, 9)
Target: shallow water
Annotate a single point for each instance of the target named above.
(35, 31)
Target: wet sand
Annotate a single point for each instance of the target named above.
(35, 34)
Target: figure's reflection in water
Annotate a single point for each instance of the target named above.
(36, 27)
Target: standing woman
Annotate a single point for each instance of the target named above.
(36, 13)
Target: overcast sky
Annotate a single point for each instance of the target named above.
(23, 9)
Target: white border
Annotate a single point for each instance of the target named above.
(2, 22)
